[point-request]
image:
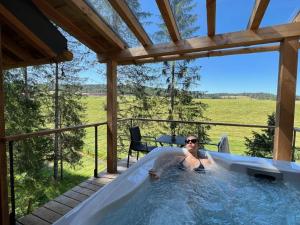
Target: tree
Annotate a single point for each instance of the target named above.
(261, 144)
(181, 76)
(68, 108)
(24, 114)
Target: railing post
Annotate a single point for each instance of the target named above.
(61, 160)
(12, 183)
(96, 152)
(294, 145)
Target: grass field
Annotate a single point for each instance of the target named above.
(239, 110)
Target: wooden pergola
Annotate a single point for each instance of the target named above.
(81, 20)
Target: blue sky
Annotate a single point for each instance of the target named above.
(240, 73)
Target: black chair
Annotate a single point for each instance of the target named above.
(136, 143)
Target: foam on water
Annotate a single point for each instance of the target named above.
(215, 197)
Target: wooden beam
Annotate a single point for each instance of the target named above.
(297, 17)
(65, 56)
(21, 29)
(12, 46)
(132, 22)
(72, 29)
(95, 20)
(4, 216)
(168, 16)
(220, 41)
(211, 17)
(257, 15)
(204, 54)
(112, 117)
(286, 96)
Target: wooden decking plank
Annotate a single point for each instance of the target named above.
(32, 220)
(93, 182)
(75, 195)
(101, 181)
(57, 207)
(83, 190)
(67, 201)
(106, 175)
(46, 214)
(53, 210)
(90, 186)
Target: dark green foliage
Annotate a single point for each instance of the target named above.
(23, 114)
(261, 144)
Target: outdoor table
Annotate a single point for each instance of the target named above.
(169, 139)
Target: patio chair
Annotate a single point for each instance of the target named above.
(136, 143)
(223, 145)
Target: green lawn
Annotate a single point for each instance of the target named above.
(240, 110)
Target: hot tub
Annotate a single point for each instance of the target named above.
(235, 190)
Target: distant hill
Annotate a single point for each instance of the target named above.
(259, 95)
(100, 89)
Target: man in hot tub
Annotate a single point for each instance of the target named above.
(191, 160)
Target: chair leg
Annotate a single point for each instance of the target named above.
(128, 158)
(137, 156)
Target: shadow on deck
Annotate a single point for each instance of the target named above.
(58, 207)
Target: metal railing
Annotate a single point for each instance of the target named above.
(19, 137)
(10, 140)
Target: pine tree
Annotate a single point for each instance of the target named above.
(24, 114)
(261, 144)
(181, 76)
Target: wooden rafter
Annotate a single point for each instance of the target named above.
(221, 41)
(64, 22)
(14, 47)
(168, 16)
(132, 22)
(211, 17)
(296, 18)
(257, 15)
(22, 30)
(204, 54)
(10, 63)
(95, 20)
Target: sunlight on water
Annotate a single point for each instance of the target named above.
(216, 197)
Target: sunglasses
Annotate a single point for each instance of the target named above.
(188, 141)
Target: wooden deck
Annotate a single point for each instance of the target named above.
(55, 209)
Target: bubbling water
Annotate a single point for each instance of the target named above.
(215, 197)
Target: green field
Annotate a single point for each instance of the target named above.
(239, 110)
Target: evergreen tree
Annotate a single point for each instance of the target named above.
(68, 108)
(261, 144)
(181, 76)
(24, 114)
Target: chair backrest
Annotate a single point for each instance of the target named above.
(135, 134)
(223, 145)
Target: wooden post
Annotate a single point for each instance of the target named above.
(112, 116)
(4, 216)
(286, 93)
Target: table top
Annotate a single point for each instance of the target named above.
(169, 139)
